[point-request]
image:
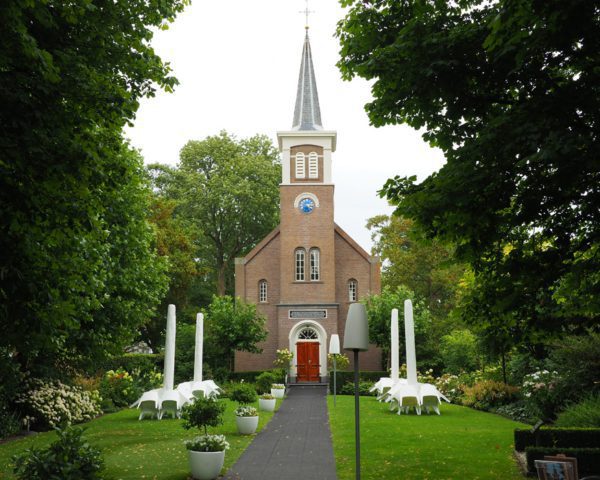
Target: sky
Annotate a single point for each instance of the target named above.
(238, 61)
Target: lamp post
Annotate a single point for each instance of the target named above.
(334, 349)
(356, 338)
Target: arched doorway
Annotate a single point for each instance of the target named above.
(308, 341)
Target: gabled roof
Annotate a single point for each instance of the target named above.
(262, 244)
(307, 114)
(353, 243)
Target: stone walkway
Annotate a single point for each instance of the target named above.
(295, 444)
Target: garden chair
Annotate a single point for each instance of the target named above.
(171, 402)
(431, 398)
(407, 396)
(148, 404)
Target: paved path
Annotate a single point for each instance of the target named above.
(295, 444)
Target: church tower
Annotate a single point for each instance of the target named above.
(305, 273)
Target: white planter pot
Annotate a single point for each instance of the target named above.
(246, 425)
(278, 392)
(206, 465)
(266, 405)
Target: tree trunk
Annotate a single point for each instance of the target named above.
(221, 279)
(504, 367)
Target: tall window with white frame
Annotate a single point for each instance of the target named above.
(300, 165)
(300, 256)
(352, 290)
(313, 165)
(262, 291)
(315, 265)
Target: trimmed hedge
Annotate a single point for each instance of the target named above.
(348, 377)
(250, 376)
(588, 459)
(558, 438)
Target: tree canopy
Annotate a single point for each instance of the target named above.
(227, 191)
(509, 90)
(78, 271)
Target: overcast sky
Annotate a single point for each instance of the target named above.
(238, 61)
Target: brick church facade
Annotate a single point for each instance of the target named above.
(304, 275)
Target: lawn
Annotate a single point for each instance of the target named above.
(460, 444)
(135, 450)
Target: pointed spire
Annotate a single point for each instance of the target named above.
(307, 114)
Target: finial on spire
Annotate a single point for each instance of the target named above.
(306, 12)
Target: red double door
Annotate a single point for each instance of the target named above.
(308, 366)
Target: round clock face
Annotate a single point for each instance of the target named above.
(306, 205)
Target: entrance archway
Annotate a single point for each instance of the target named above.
(308, 342)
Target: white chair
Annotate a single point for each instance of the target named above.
(430, 397)
(148, 404)
(407, 396)
(171, 402)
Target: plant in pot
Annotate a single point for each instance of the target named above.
(246, 417)
(278, 390)
(206, 452)
(266, 402)
(284, 360)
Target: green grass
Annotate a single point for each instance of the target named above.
(135, 450)
(461, 444)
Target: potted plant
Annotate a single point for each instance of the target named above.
(246, 417)
(266, 402)
(206, 452)
(278, 390)
(284, 360)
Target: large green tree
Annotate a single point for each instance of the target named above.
(509, 90)
(227, 190)
(78, 273)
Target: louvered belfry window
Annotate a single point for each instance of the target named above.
(300, 165)
(313, 165)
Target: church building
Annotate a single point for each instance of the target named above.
(304, 275)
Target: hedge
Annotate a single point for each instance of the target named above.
(250, 376)
(558, 437)
(588, 459)
(348, 377)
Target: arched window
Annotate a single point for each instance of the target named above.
(352, 290)
(313, 165)
(315, 264)
(308, 333)
(262, 291)
(300, 165)
(300, 264)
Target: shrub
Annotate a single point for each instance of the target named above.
(203, 413)
(348, 377)
(265, 380)
(516, 411)
(540, 393)
(134, 362)
(207, 443)
(459, 351)
(267, 396)
(588, 459)
(557, 437)
(243, 393)
(489, 394)
(341, 361)
(69, 458)
(10, 423)
(363, 389)
(586, 413)
(49, 403)
(118, 387)
(450, 386)
(284, 358)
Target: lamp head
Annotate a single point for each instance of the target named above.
(356, 334)
(334, 344)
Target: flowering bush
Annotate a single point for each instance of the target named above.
(489, 394)
(118, 387)
(341, 361)
(284, 357)
(540, 393)
(450, 386)
(246, 412)
(207, 443)
(69, 458)
(49, 403)
(426, 377)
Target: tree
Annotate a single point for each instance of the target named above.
(427, 267)
(78, 271)
(379, 313)
(459, 351)
(228, 190)
(231, 326)
(509, 90)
